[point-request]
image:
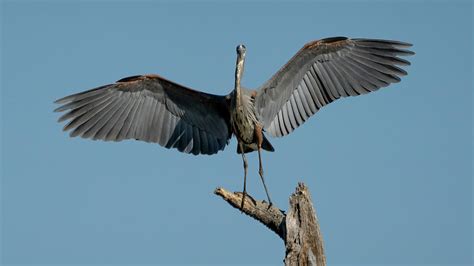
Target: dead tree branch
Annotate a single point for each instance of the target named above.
(299, 229)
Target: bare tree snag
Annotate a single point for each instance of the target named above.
(299, 229)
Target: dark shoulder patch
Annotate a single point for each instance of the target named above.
(131, 78)
(327, 41)
(333, 39)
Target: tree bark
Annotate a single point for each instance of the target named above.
(299, 228)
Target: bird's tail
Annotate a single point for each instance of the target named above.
(266, 145)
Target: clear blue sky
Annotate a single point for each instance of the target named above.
(390, 172)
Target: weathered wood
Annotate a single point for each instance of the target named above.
(304, 242)
(299, 229)
(267, 214)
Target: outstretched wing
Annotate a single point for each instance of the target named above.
(152, 109)
(323, 71)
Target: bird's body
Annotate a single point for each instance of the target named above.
(243, 118)
(154, 109)
(244, 122)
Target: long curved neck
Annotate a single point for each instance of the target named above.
(239, 70)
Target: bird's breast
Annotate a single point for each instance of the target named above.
(243, 122)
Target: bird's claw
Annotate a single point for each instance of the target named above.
(243, 201)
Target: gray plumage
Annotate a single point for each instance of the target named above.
(153, 109)
(324, 71)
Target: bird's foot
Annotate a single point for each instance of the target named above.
(243, 201)
(270, 203)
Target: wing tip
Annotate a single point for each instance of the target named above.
(385, 41)
(62, 119)
(398, 47)
(63, 100)
(61, 108)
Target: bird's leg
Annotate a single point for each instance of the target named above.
(244, 192)
(259, 136)
(260, 172)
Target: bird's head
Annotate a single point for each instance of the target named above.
(241, 51)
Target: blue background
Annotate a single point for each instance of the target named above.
(390, 173)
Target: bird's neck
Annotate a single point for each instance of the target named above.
(239, 69)
(238, 96)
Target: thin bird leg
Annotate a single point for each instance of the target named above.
(260, 172)
(244, 192)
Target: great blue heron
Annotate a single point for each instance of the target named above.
(153, 109)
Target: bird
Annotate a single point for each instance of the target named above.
(154, 109)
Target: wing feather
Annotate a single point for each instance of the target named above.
(310, 95)
(330, 75)
(326, 81)
(83, 122)
(320, 96)
(196, 141)
(115, 131)
(297, 107)
(166, 126)
(152, 109)
(291, 115)
(96, 122)
(324, 71)
(110, 119)
(129, 131)
(204, 143)
(368, 81)
(303, 106)
(370, 67)
(281, 124)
